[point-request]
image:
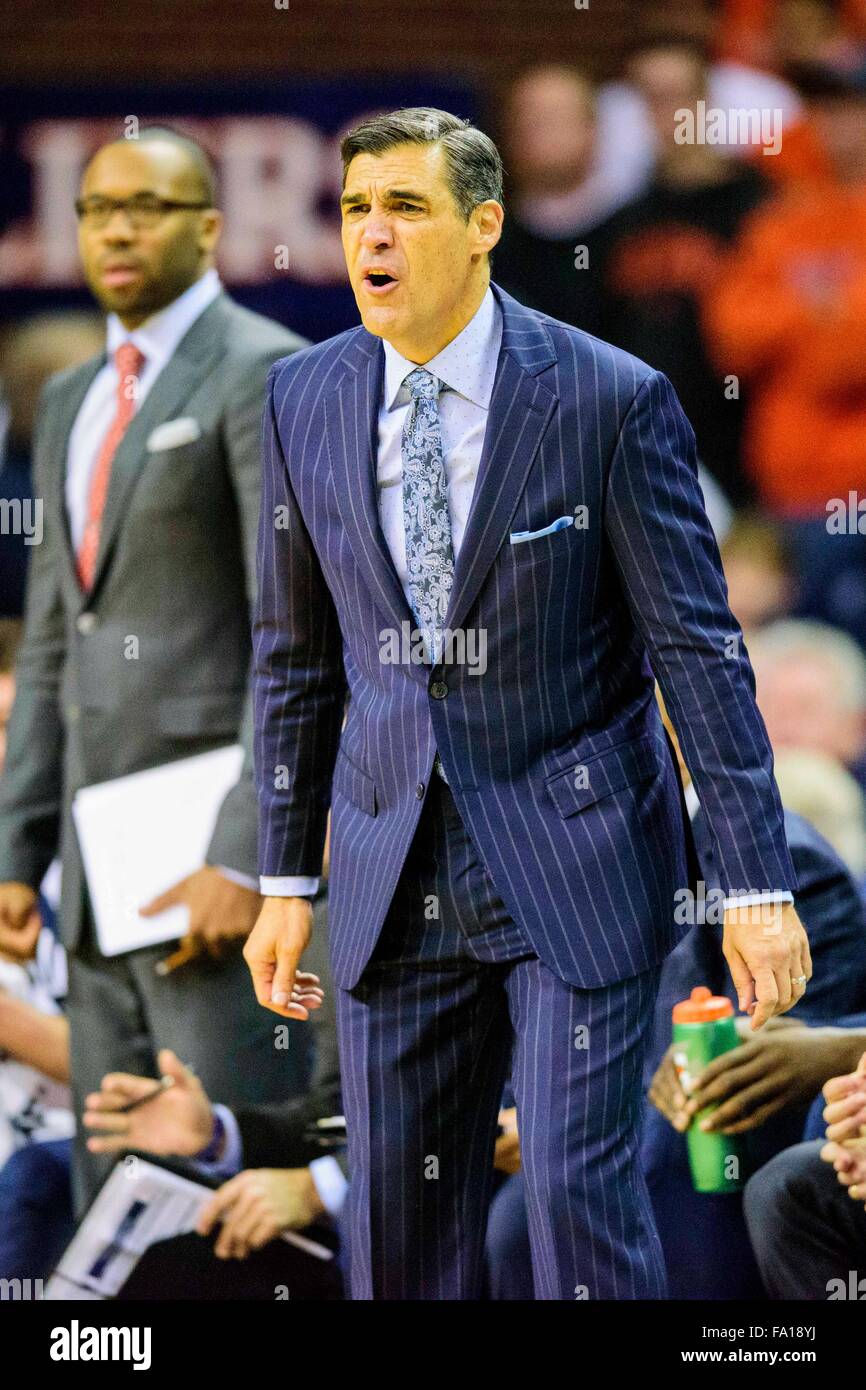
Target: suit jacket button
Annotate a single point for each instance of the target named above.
(85, 622)
(438, 690)
(419, 791)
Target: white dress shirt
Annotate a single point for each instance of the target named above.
(157, 339)
(466, 367)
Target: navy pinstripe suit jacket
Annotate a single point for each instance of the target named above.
(555, 753)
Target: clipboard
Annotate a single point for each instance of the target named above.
(139, 834)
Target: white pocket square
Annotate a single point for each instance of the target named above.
(518, 537)
(172, 433)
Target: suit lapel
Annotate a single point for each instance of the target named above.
(520, 411)
(195, 355)
(352, 429)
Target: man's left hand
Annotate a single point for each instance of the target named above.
(220, 910)
(767, 951)
(256, 1206)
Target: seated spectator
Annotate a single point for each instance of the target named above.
(662, 251)
(557, 194)
(806, 1209)
(31, 350)
(10, 640)
(811, 690)
(775, 33)
(780, 36)
(277, 1175)
(758, 570)
(36, 1120)
(704, 1236)
(628, 135)
(788, 318)
(820, 790)
(765, 1086)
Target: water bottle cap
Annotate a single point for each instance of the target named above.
(702, 1007)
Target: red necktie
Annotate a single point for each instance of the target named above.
(129, 362)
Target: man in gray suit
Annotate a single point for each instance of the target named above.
(137, 646)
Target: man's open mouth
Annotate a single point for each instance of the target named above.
(379, 278)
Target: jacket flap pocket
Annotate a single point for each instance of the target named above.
(585, 782)
(354, 784)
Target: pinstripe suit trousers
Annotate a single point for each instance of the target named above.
(452, 1002)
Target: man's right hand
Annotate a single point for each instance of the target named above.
(20, 922)
(272, 951)
(177, 1121)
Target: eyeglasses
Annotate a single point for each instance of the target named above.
(142, 209)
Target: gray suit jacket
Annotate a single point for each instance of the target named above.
(175, 570)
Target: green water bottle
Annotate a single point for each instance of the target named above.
(704, 1029)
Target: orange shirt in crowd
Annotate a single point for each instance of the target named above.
(788, 316)
(800, 161)
(745, 28)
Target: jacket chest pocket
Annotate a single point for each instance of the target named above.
(549, 543)
(179, 478)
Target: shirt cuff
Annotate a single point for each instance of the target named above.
(753, 899)
(289, 887)
(232, 1158)
(331, 1184)
(235, 876)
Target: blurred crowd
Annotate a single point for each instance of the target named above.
(739, 269)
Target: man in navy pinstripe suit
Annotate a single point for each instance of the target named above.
(481, 532)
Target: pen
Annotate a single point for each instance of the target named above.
(164, 1084)
(189, 949)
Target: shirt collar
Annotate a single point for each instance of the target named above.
(466, 365)
(160, 334)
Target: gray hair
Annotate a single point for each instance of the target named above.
(819, 788)
(835, 649)
(473, 161)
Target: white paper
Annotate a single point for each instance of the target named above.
(141, 834)
(139, 1204)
